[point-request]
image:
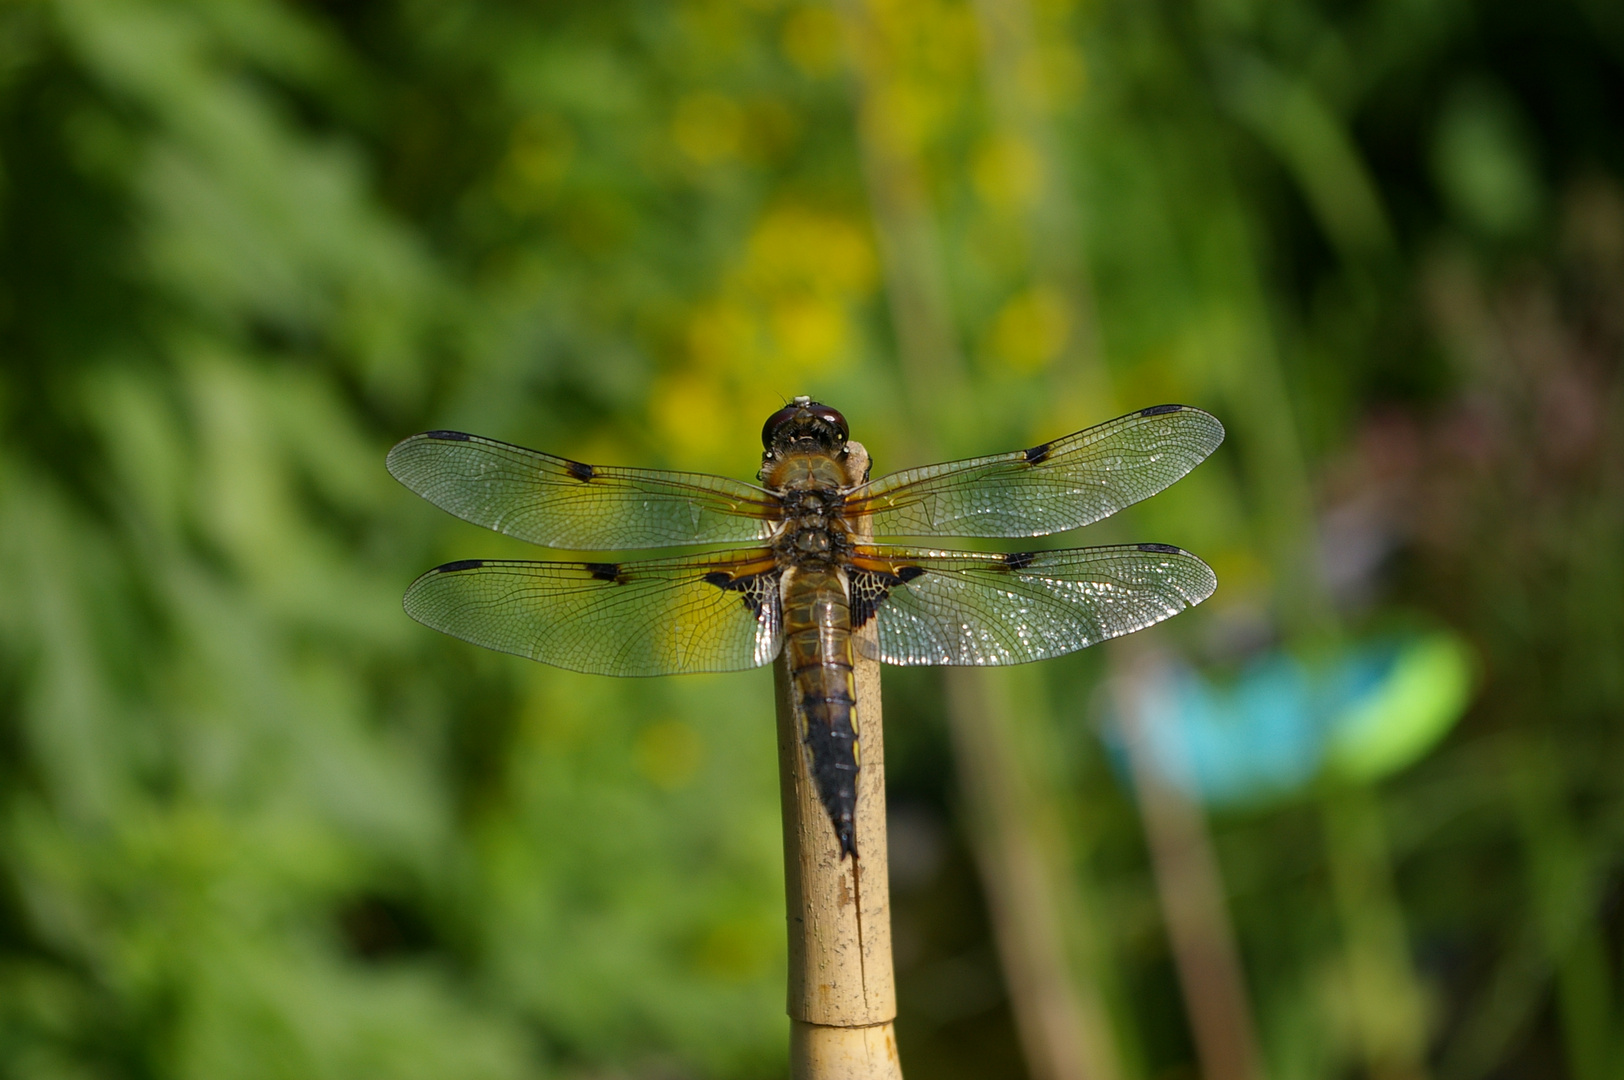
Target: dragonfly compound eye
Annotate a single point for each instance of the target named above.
(776, 421)
(833, 418)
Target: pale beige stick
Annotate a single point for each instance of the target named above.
(916, 289)
(842, 994)
(1191, 889)
(1063, 1025)
(1066, 1032)
(1023, 108)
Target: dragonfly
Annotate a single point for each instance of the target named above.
(801, 564)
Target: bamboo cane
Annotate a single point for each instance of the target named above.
(1065, 1029)
(842, 994)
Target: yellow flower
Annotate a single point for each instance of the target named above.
(1032, 329)
(708, 127)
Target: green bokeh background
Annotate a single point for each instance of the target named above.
(254, 823)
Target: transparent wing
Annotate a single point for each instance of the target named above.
(656, 617)
(1059, 485)
(556, 502)
(970, 608)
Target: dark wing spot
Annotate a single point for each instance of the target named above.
(753, 590)
(460, 564)
(603, 571)
(1162, 549)
(448, 436)
(580, 470)
(1019, 560)
(870, 588)
(868, 591)
(1036, 455)
(1157, 410)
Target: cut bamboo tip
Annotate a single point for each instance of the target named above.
(842, 993)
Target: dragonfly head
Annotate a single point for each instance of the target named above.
(806, 425)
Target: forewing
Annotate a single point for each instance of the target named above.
(556, 502)
(655, 617)
(1059, 485)
(981, 609)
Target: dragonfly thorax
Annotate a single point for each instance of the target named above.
(813, 537)
(814, 542)
(815, 532)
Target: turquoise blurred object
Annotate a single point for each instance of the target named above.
(1273, 729)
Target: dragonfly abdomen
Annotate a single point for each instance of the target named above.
(817, 637)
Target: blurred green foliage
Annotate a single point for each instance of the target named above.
(254, 823)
